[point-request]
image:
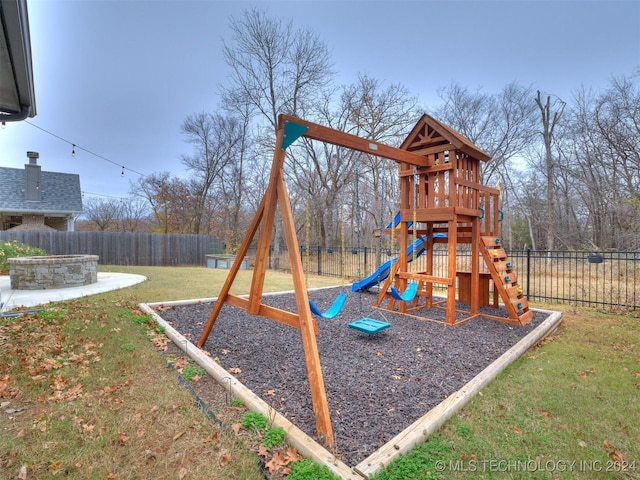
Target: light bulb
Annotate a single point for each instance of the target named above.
(122, 172)
(73, 150)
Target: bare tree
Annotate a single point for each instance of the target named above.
(134, 215)
(550, 115)
(104, 213)
(503, 125)
(171, 201)
(603, 150)
(274, 69)
(215, 139)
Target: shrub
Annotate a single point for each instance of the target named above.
(274, 436)
(307, 469)
(13, 249)
(254, 421)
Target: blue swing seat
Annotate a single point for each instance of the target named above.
(408, 295)
(369, 326)
(333, 310)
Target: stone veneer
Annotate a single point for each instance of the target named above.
(52, 271)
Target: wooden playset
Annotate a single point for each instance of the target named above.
(439, 173)
(443, 201)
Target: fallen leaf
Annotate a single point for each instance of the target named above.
(123, 438)
(618, 458)
(263, 451)
(178, 435)
(182, 473)
(270, 393)
(180, 364)
(111, 389)
(235, 370)
(607, 446)
(292, 455)
(272, 465)
(22, 473)
(225, 457)
(236, 427)
(4, 383)
(55, 466)
(582, 443)
(277, 462)
(545, 413)
(517, 430)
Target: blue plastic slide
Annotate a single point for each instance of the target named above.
(383, 270)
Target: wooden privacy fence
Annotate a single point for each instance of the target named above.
(120, 248)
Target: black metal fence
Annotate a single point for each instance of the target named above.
(607, 279)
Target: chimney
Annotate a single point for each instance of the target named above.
(32, 178)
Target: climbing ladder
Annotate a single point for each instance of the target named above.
(505, 279)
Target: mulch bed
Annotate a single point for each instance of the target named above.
(376, 385)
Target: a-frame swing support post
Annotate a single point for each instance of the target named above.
(276, 194)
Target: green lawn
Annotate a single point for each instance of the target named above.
(81, 383)
(568, 409)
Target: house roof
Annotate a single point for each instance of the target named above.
(429, 133)
(61, 193)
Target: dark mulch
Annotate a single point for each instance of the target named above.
(376, 385)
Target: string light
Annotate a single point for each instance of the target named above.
(4, 125)
(93, 194)
(74, 146)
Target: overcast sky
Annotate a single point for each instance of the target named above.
(118, 78)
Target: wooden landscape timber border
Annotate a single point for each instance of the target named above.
(402, 443)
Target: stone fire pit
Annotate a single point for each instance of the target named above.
(52, 271)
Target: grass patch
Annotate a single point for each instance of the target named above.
(182, 283)
(567, 409)
(82, 381)
(85, 394)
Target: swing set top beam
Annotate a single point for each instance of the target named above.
(342, 139)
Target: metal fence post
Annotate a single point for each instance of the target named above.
(528, 270)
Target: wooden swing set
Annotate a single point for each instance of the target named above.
(448, 199)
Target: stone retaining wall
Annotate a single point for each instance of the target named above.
(52, 271)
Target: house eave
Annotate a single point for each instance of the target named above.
(17, 90)
(48, 213)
